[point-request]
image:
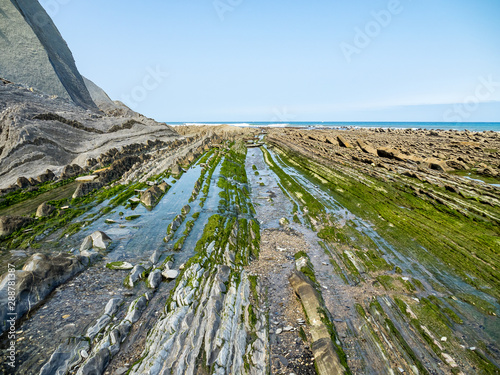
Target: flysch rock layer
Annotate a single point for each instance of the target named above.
(39, 132)
(35, 54)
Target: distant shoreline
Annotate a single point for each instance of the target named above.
(471, 126)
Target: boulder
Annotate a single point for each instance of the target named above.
(175, 169)
(134, 275)
(155, 256)
(33, 182)
(100, 240)
(154, 279)
(136, 308)
(44, 209)
(366, 147)
(151, 196)
(71, 170)
(457, 165)
(436, 164)
(163, 186)
(23, 182)
(47, 176)
(186, 209)
(390, 153)
(170, 274)
(39, 277)
(488, 172)
(10, 224)
(343, 142)
(86, 188)
(86, 244)
(119, 266)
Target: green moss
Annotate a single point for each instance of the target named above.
(409, 222)
(302, 334)
(288, 183)
(252, 316)
(360, 310)
(479, 303)
(22, 195)
(326, 319)
(253, 286)
(114, 265)
(386, 281)
(392, 328)
(132, 217)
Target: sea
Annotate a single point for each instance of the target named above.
(472, 126)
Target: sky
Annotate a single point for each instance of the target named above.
(290, 60)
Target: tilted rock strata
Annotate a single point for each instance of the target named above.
(35, 54)
(39, 133)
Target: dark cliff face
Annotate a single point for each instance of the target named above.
(34, 53)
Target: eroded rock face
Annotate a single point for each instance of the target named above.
(23, 182)
(47, 176)
(34, 53)
(100, 240)
(44, 210)
(39, 276)
(71, 171)
(85, 188)
(10, 224)
(151, 196)
(40, 132)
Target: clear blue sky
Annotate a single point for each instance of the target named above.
(290, 60)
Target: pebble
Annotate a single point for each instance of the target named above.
(288, 328)
(278, 331)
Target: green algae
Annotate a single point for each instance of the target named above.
(409, 223)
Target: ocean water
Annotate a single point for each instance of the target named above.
(472, 126)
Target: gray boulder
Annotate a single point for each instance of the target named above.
(71, 170)
(23, 182)
(154, 279)
(47, 176)
(100, 240)
(44, 209)
(10, 224)
(38, 278)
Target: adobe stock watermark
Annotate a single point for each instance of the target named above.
(483, 92)
(10, 354)
(364, 37)
(153, 79)
(223, 6)
(52, 7)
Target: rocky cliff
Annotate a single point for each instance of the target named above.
(35, 54)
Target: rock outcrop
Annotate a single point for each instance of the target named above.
(39, 276)
(35, 54)
(10, 224)
(44, 210)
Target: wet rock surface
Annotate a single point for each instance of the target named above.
(219, 274)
